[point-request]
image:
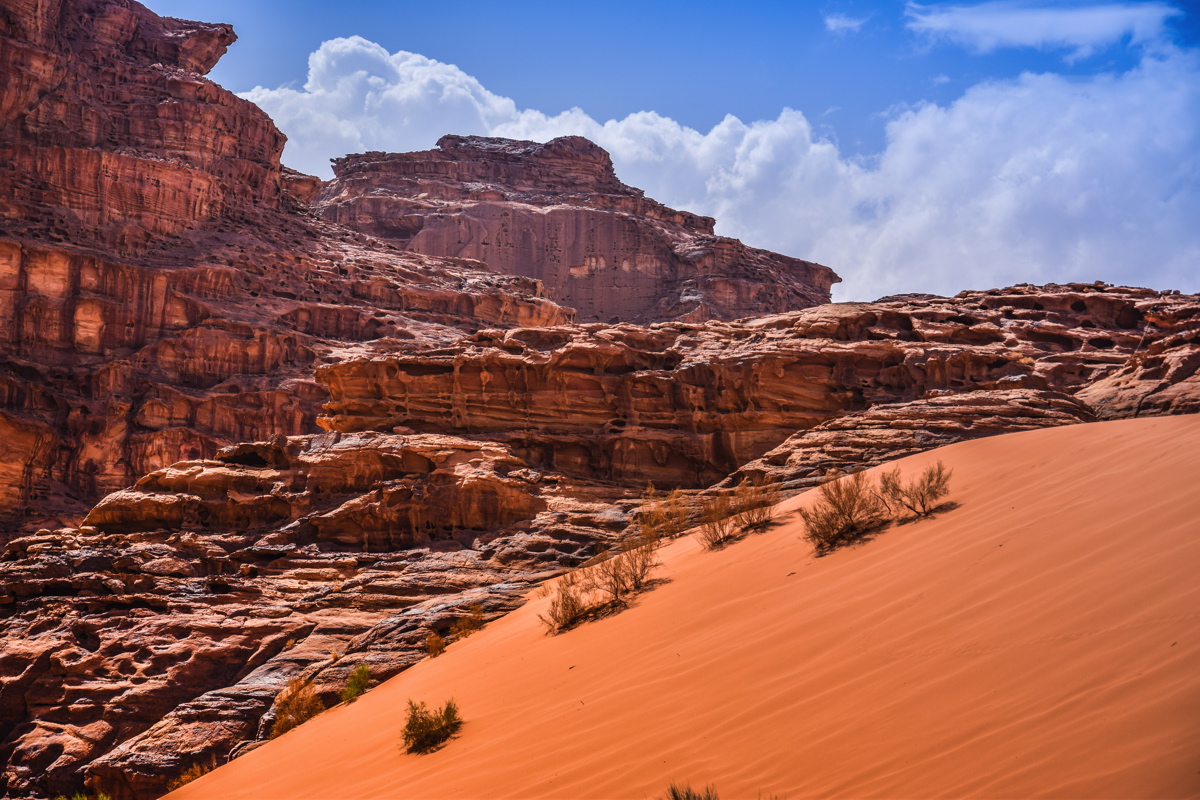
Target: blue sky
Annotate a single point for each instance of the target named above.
(913, 147)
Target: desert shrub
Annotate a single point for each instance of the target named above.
(608, 576)
(662, 517)
(424, 730)
(466, 625)
(847, 508)
(295, 705)
(922, 495)
(568, 605)
(717, 524)
(435, 645)
(638, 559)
(357, 683)
(190, 774)
(685, 792)
(82, 796)
(754, 504)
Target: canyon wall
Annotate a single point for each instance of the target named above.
(163, 291)
(556, 212)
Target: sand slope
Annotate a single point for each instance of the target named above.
(1042, 640)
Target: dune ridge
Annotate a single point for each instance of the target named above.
(1037, 641)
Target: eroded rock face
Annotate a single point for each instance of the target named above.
(158, 635)
(686, 405)
(883, 433)
(556, 212)
(162, 291)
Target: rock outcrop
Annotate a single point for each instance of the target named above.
(163, 293)
(685, 405)
(556, 212)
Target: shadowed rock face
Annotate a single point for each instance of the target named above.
(556, 212)
(162, 291)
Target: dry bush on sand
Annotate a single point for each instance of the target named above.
(295, 705)
(435, 645)
(685, 792)
(662, 517)
(847, 508)
(568, 605)
(922, 495)
(717, 524)
(466, 625)
(424, 729)
(188, 775)
(754, 504)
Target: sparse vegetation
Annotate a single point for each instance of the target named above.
(848, 507)
(435, 645)
(82, 796)
(717, 525)
(425, 730)
(754, 504)
(612, 576)
(295, 705)
(466, 625)
(922, 495)
(568, 606)
(685, 792)
(191, 773)
(357, 683)
(662, 517)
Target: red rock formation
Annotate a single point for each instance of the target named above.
(687, 404)
(161, 292)
(556, 212)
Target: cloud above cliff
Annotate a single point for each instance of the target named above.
(1039, 178)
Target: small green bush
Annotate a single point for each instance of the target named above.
(425, 729)
(358, 682)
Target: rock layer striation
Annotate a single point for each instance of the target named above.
(556, 212)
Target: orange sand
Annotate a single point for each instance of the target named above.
(1040, 641)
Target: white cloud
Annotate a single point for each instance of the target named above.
(840, 23)
(1037, 179)
(1012, 23)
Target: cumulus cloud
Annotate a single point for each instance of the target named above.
(840, 23)
(1012, 23)
(1042, 178)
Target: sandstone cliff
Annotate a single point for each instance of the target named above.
(161, 292)
(556, 212)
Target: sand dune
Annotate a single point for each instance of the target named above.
(1042, 640)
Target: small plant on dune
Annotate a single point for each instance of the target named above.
(717, 523)
(684, 791)
(424, 730)
(466, 625)
(754, 504)
(295, 705)
(568, 605)
(662, 517)
(358, 682)
(921, 496)
(847, 508)
(191, 773)
(435, 645)
(638, 559)
(82, 796)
